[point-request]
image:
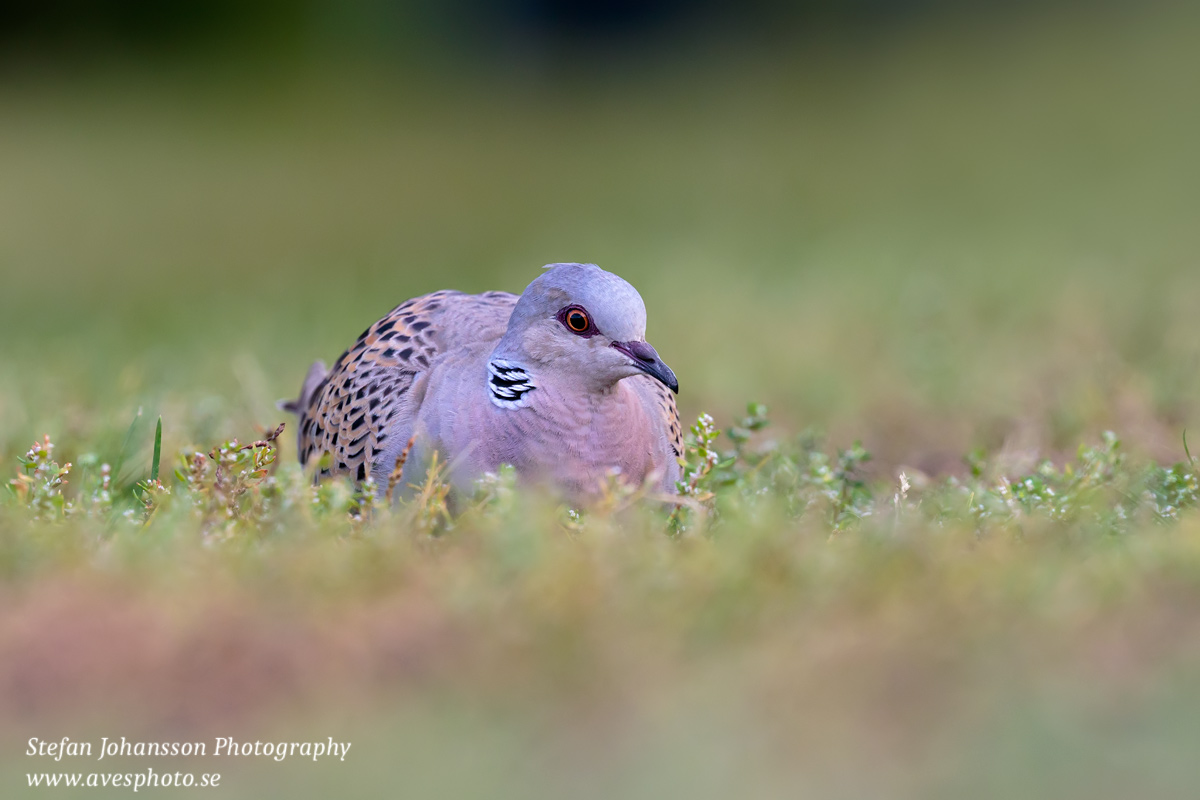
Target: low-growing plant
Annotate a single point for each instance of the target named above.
(236, 490)
(39, 484)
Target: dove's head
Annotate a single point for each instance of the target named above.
(584, 324)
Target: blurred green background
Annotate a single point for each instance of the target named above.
(931, 226)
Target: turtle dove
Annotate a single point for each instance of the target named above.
(559, 382)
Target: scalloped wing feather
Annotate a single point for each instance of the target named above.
(669, 415)
(370, 396)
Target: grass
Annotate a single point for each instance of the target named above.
(949, 266)
(789, 625)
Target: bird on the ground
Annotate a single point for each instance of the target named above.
(559, 382)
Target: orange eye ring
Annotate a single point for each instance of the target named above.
(577, 320)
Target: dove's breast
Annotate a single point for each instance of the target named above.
(570, 439)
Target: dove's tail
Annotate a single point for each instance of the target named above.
(317, 374)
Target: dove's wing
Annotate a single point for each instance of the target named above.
(362, 412)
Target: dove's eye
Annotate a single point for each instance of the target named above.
(576, 320)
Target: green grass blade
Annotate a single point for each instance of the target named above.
(124, 453)
(157, 450)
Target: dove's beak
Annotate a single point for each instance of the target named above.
(646, 359)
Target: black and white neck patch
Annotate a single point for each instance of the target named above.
(508, 384)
